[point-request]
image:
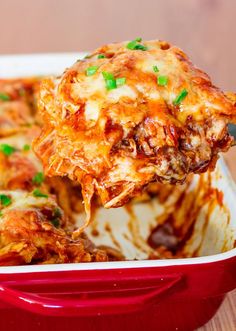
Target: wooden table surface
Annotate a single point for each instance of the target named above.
(225, 319)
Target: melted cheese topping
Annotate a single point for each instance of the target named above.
(115, 141)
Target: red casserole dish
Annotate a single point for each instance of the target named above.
(170, 295)
(174, 294)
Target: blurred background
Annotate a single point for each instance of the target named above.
(205, 29)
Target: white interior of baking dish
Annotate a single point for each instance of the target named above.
(214, 230)
(214, 240)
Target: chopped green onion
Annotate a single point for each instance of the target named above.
(4, 97)
(38, 194)
(7, 149)
(134, 45)
(111, 84)
(5, 200)
(38, 178)
(55, 222)
(109, 80)
(180, 97)
(26, 147)
(57, 212)
(120, 81)
(162, 80)
(155, 69)
(141, 47)
(101, 56)
(1, 213)
(56, 217)
(91, 70)
(131, 44)
(107, 75)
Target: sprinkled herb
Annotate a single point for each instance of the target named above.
(155, 69)
(38, 178)
(56, 217)
(55, 222)
(162, 80)
(141, 47)
(26, 148)
(4, 97)
(109, 80)
(38, 194)
(132, 44)
(90, 71)
(180, 97)
(57, 212)
(120, 81)
(1, 213)
(108, 75)
(101, 56)
(7, 149)
(135, 45)
(5, 200)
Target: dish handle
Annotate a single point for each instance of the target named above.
(102, 302)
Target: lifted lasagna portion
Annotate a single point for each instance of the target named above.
(130, 114)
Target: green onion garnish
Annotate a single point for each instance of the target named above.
(107, 75)
(55, 222)
(101, 56)
(162, 80)
(91, 70)
(155, 69)
(57, 212)
(7, 149)
(26, 147)
(120, 81)
(141, 47)
(1, 213)
(56, 217)
(38, 194)
(109, 80)
(180, 97)
(38, 178)
(4, 97)
(135, 45)
(131, 44)
(5, 200)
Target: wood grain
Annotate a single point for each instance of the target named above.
(225, 318)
